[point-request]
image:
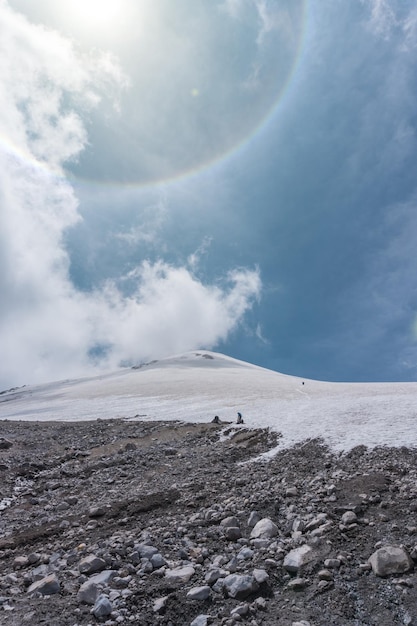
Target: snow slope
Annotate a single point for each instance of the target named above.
(198, 385)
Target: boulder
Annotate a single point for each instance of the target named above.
(390, 560)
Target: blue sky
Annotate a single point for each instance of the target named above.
(238, 175)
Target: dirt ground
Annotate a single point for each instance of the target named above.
(103, 488)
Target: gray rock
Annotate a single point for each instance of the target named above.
(199, 593)
(46, 586)
(218, 586)
(5, 444)
(232, 533)
(103, 577)
(316, 522)
(40, 572)
(96, 511)
(233, 564)
(260, 544)
(260, 575)
(159, 604)
(239, 586)
(242, 610)
(180, 574)
(88, 592)
(245, 554)
(253, 519)
(201, 620)
(212, 575)
(230, 521)
(349, 518)
(102, 607)
(121, 582)
(63, 506)
(20, 561)
(157, 560)
(145, 551)
(297, 584)
(325, 574)
(91, 564)
(298, 557)
(390, 560)
(34, 557)
(265, 528)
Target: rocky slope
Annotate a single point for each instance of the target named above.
(121, 522)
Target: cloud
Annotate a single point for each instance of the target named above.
(382, 17)
(393, 16)
(49, 328)
(195, 258)
(274, 19)
(147, 226)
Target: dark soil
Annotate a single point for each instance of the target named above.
(71, 489)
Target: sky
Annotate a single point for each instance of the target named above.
(236, 175)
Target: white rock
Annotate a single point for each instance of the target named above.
(180, 574)
(200, 620)
(298, 557)
(160, 604)
(260, 575)
(265, 528)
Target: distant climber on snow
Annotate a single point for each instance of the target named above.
(239, 418)
(215, 420)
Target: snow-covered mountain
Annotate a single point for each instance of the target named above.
(196, 386)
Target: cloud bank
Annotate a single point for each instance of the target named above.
(49, 328)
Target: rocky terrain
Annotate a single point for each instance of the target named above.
(124, 522)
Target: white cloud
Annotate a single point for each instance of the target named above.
(273, 19)
(382, 17)
(148, 225)
(387, 16)
(48, 328)
(195, 258)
